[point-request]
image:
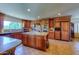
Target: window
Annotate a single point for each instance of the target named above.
(12, 25)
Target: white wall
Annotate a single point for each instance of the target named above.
(76, 24)
(13, 9)
(13, 19)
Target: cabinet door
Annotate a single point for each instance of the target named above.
(32, 42)
(19, 36)
(26, 23)
(65, 18)
(51, 35)
(1, 21)
(24, 40)
(57, 30)
(51, 22)
(57, 35)
(65, 30)
(29, 41)
(57, 24)
(39, 42)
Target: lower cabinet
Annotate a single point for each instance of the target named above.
(57, 35)
(16, 35)
(24, 41)
(51, 35)
(40, 42)
(33, 41)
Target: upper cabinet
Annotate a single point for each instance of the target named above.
(51, 22)
(62, 18)
(26, 25)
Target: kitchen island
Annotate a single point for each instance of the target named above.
(36, 40)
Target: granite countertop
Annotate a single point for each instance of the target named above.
(7, 43)
(8, 32)
(36, 33)
(5, 32)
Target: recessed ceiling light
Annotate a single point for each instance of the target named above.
(28, 10)
(59, 14)
(38, 16)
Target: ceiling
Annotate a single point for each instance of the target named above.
(43, 10)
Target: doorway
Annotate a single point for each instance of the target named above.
(76, 30)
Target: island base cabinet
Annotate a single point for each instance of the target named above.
(29, 41)
(25, 40)
(40, 42)
(33, 41)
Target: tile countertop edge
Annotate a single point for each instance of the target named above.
(36, 33)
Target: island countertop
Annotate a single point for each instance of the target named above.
(7, 43)
(36, 33)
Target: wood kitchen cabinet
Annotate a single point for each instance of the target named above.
(51, 22)
(57, 35)
(28, 40)
(57, 24)
(62, 18)
(65, 31)
(63, 28)
(1, 21)
(31, 41)
(57, 29)
(25, 40)
(51, 35)
(40, 42)
(26, 25)
(51, 25)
